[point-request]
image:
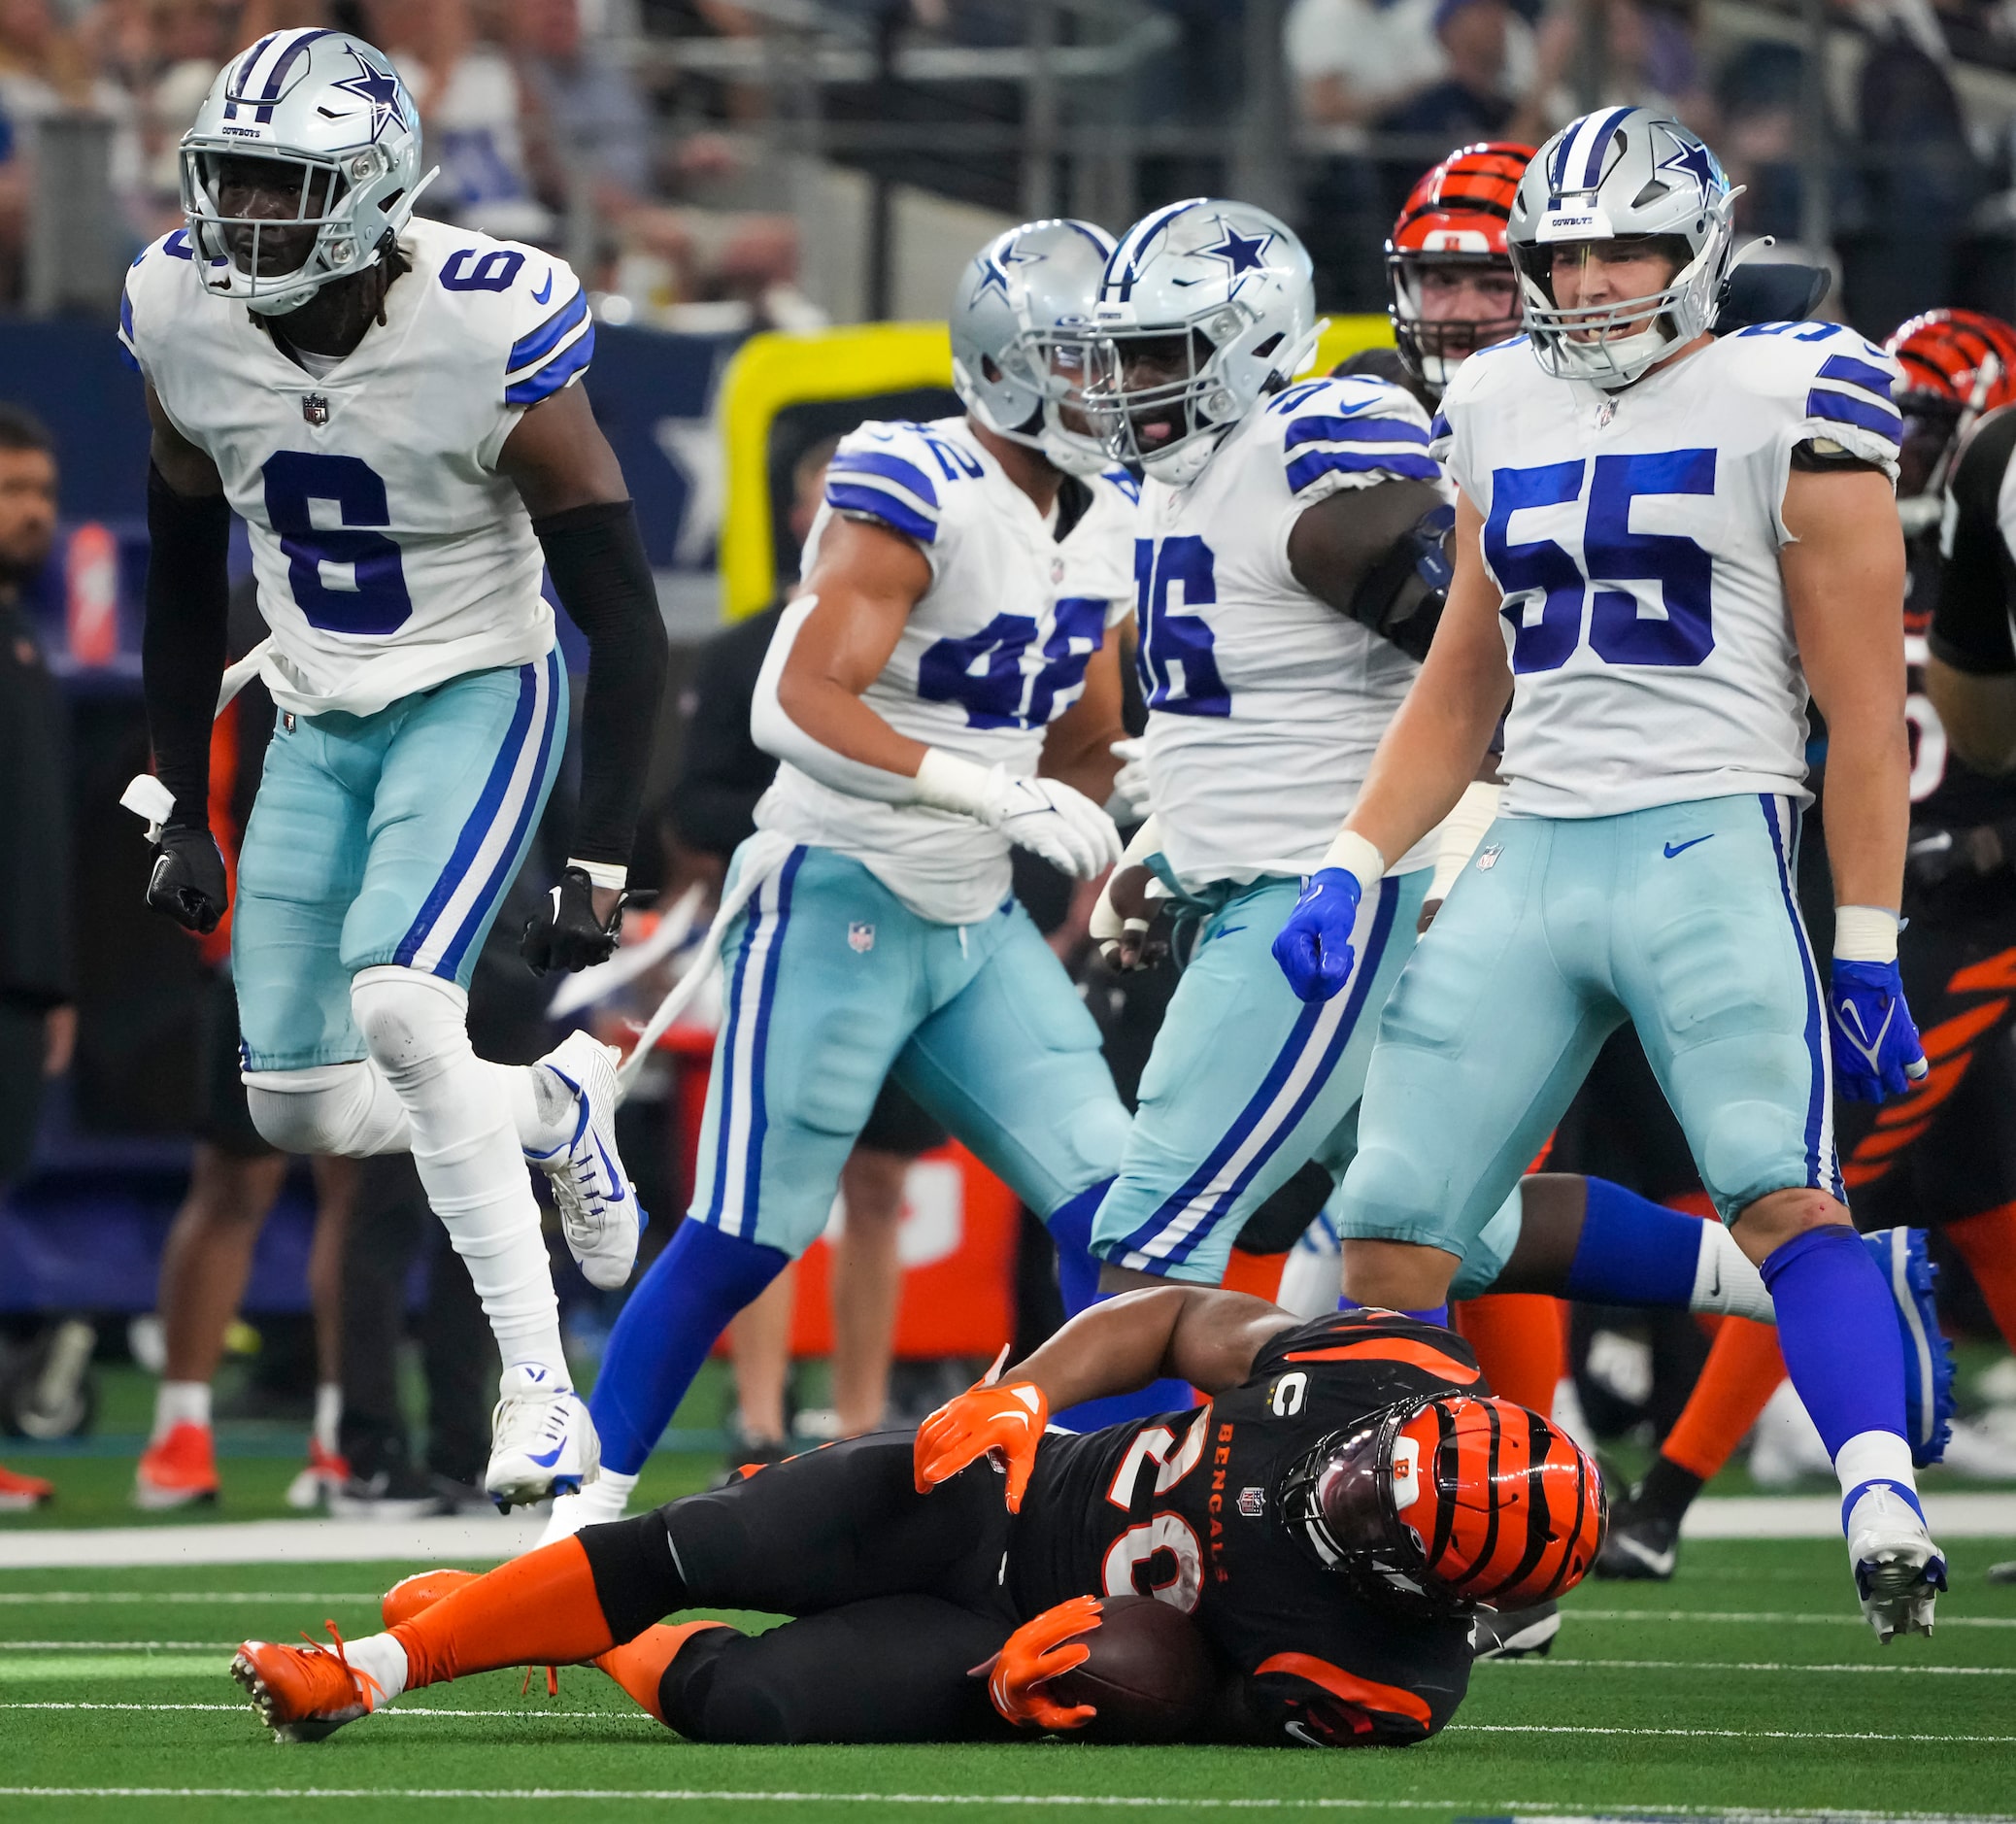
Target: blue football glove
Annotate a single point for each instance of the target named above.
(1314, 947)
(1876, 1048)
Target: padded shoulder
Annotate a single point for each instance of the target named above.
(901, 475)
(523, 310)
(1350, 433)
(159, 286)
(1823, 381)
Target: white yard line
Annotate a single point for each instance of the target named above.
(481, 1538)
(1729, 1666)
(1771, 1617)
(61, 1598)
(1950, 1515)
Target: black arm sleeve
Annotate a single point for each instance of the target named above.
(181, 649)
(1977, 581)
(1376, 555)
(603, 580)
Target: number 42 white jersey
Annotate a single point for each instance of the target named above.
(391, 555)
(1635, 539)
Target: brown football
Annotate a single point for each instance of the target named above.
(1149, 1676)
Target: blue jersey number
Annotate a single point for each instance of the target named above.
(1611, 552)
(465, 271)
(1179, 669)
(983, 671)
(376, 601)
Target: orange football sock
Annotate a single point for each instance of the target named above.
(1987, 1243)
(1520, 1340)
(540, 1609)
(639, 1665)
(1742, 1371)
(1258, 1274)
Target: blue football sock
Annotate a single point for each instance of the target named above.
(1838, 1330)
(1633, 1251)
(663, 1335)
(1434, 1314)
(1070, 1226)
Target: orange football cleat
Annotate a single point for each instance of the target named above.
(414, 1595)
(21, 1493)
(178, 1470)
(304, 1693)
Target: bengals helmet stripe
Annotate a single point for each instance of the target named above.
(1945, 353)
(1405, 1350)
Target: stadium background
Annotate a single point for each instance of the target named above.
(769, 201)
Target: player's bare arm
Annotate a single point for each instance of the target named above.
(1362, 551)
(863, 585)
(1844, 588)
(572, 485)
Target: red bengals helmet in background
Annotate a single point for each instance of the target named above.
(1957, 365)
(1449, 1503)
(1453, 220)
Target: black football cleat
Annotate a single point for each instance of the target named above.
(1515, 1634)
(1641, 1546)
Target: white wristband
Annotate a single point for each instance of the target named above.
(948, 783)
(1865, 934)
(1356, 856)
(603, 873)
(1463, 829)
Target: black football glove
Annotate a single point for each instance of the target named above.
(188, 881)
(568, 937)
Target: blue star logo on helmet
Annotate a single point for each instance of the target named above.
(1243, 253)
(993, 277)
(1690, 158)
(380, 90)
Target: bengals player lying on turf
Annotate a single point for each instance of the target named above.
(1328, 1520)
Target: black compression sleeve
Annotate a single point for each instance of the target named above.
(603, 580)
(181, 649)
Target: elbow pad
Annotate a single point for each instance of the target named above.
(775, 732)
(1403, 596)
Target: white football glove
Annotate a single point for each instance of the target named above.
(1045, 816)
(1131, 801)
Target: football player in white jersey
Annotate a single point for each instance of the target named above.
(387, 403)
(949, 639)
(1663, 540)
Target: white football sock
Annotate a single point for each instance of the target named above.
(348, 1110)
(544, 1110)
(381, 1657)
(328, 1414)
(1726, 1281)
(465, 1147)
(179, 1402)
(1874, 1457)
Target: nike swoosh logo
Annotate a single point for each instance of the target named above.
(1680, 847)
(545, 292)
(617, 1193)
(550, 1458)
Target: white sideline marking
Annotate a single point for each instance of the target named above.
(116, 1646)
(1535, 1812)
(1764, 1615)
(481, 1539)
(1950, 1515)
(1753, 1665)
(1727, 1735)
(60, 1596)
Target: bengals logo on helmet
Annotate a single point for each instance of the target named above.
(1449, 1503)
(1456, 215)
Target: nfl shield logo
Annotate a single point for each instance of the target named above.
(314, 408)
(1252, 1502)
(860, 938)
(1489, 858)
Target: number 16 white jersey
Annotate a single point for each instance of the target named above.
(390, 553)
(1635, 539)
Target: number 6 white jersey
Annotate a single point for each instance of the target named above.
(391, 555)
(1636, 538)
(994, 651)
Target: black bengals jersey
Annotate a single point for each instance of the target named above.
(1958, 607)
(1184, 1507)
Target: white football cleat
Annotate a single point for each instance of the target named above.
(597, 1203)
(541, 1440)
(1898, 1571)
(596, 1505)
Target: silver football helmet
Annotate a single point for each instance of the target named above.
(1022, 337)
(331, 110)
(1204, 307)
(1621, 173)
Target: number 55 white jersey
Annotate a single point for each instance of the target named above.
(390, 553)
(1636, 538)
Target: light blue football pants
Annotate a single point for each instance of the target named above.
(1681, 919)
(833, 983)
(389, 839)
(1246, 1082)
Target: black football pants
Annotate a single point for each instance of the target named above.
(895, 1596)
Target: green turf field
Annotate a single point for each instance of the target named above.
(1746, 1686)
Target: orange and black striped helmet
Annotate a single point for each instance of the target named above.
(1451, 1503)
(1957, 365)
(1456, 215)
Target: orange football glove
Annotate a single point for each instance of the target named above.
(1036, 1652)
(1000, 1419)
